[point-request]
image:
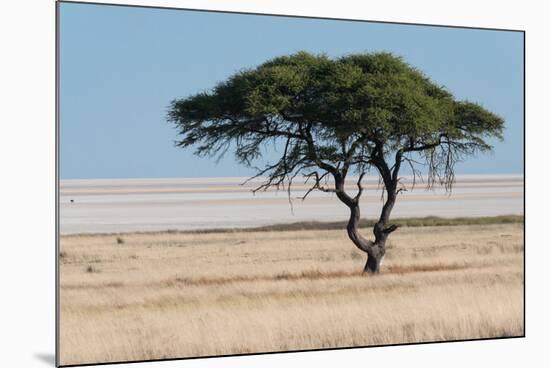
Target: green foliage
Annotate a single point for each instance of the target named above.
(335, 115)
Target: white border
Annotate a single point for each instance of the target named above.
(27, 185)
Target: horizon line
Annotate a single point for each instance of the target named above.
(495, 175)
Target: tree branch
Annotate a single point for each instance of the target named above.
(316, 184)
(360, 187)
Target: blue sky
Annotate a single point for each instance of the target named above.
(121, 66)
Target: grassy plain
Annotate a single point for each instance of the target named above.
(160, 295)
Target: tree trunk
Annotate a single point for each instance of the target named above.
(375, 259)
(375, 250)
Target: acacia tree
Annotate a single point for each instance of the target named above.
(332, 117)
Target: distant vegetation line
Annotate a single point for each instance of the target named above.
(339, 225)
(405, 222)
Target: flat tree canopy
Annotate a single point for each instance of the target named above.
(332, 117)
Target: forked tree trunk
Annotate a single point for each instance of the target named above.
(375, 250)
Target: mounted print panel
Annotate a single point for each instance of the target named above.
(242, 183)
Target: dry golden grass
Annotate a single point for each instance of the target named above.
(167, 295)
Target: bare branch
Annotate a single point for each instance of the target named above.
(390, 229)
(360, 187)
(317, 184)
(400, 190)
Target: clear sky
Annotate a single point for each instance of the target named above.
(121, 66)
